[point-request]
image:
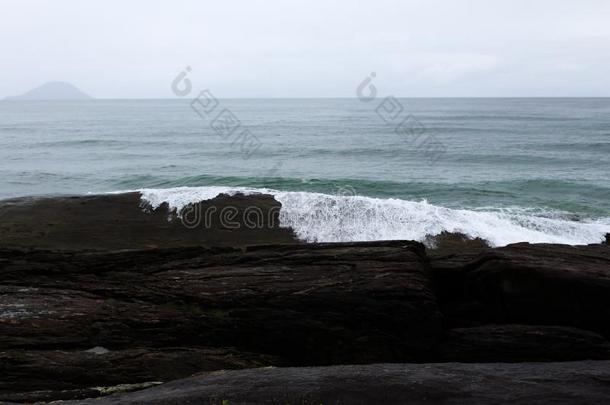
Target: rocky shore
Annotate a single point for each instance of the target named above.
(583, 382)
(99, 295)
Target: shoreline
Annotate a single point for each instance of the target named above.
(96, 292)
(227, 217)
(122, 221)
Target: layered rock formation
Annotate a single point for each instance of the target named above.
(122, 221)
(79, 318)
(388, 384)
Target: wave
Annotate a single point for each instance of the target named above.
(318, 217)
(598, 147)
(585, 199)
(99, 142)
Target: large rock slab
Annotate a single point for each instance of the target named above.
(544, 284)
(536, 284)
(122, 221)
(38, 375)
(388, 384)
(515, 343)
(301, 304)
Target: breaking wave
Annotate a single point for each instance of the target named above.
(317, 217)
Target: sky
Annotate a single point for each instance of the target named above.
(313, 48)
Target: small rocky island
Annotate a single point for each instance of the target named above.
(52, 91)
(104, 299)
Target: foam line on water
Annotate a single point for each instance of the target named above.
(317, 217)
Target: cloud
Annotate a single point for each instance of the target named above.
(446, 68)
(309, 48)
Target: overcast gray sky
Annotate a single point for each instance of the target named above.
(309, 48)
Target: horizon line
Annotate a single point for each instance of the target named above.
(9, 98)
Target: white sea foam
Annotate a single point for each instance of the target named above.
(317, 217)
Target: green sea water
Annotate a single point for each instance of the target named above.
(528, 158)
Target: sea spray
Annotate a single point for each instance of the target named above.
(317, 217)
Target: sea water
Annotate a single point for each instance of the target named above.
(506, 170)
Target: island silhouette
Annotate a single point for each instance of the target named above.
(56, 90)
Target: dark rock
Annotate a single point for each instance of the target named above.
(449, 254)
(537, 284)
(65, 374)
(450, 383)
(447, 243)
(165, 313)
(303, 304)
(119, 221)
(516, 343)
(543, 285)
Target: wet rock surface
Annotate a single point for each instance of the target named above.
(122, 221)
(450, 383)
(521, 343)
(531, 284)
(89, 307)
(295, 304)
(39, 375)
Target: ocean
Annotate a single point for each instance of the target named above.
(503, 169)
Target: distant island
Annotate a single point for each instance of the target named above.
(53, 91)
